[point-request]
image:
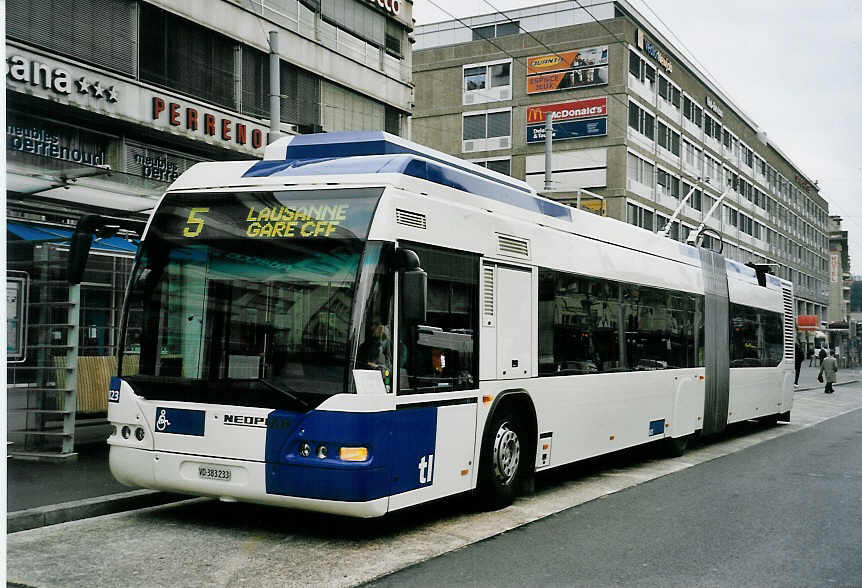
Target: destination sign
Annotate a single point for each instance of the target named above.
(281, 215)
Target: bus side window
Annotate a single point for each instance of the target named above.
(442, 354)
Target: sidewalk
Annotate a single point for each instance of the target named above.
(44, 493)
(41, 493)
(808, 376)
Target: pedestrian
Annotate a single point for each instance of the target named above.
(822, 355)
(810, 357)
(799, 358)
(828, 372)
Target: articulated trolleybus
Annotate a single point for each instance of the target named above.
(357, 324)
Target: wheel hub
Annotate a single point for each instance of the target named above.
(507, 454)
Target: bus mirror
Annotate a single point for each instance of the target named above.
(406, 260)
(79, 250)
(415, 296)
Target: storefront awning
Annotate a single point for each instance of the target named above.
(71, 183)
(49, 234)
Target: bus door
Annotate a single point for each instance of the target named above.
(435, 419)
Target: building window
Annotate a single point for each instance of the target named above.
(639, 170)
(641, 121)
(102, 33)
(356, 18)
(501, 165)
(394, 35)
(487, 82)
(640, 217)
(668, 91)
(641, 70)
(668, 138)
(487, 125)
(186, 57)
(731, 216)
(498, 30)
(667, 183)
(696, 197)
(692, 111)
(300, 91)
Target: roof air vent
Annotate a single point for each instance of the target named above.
(513, 246)
(410, 219)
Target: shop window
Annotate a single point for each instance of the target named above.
(441, 354)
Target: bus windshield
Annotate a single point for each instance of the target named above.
(246, 298)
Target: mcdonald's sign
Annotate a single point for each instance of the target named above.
(572, 110)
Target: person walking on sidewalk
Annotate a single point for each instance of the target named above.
(800, 357)
(822, 355)
(829, 371)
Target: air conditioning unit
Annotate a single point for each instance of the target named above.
(468, 146)
(506, 93)
(504, 143)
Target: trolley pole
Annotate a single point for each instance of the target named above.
(274, 89)
(549, 138)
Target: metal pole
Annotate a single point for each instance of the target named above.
(274, 89)
(549, 138)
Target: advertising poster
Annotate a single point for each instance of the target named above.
(573, 109)
(568, 80)
(567, 60)
(16, 318)
(573, 129)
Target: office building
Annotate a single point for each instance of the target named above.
(108, 101)
(636, 123)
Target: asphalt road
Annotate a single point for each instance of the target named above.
(206, 543)
(786, 512)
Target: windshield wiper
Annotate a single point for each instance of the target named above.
(284, 391)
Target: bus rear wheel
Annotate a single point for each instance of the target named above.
(501, 462)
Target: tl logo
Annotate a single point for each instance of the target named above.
(426, 469)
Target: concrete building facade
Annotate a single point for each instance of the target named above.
(108, 101)
(635, 122)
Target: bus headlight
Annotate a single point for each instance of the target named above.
(353, 453)
(139, 434)
(304, 449)
(125, 431)
(322, 451)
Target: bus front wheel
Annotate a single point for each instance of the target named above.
(501, 462)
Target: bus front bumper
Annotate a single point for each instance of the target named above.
(226, 479)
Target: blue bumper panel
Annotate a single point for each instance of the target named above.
(290, 474)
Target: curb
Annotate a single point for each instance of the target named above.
(819, 386)
(42, 516)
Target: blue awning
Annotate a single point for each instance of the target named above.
(62, 236)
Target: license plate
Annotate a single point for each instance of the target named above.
(213, 473)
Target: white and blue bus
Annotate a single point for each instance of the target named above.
(357, 324)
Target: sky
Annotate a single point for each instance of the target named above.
(795, 68)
